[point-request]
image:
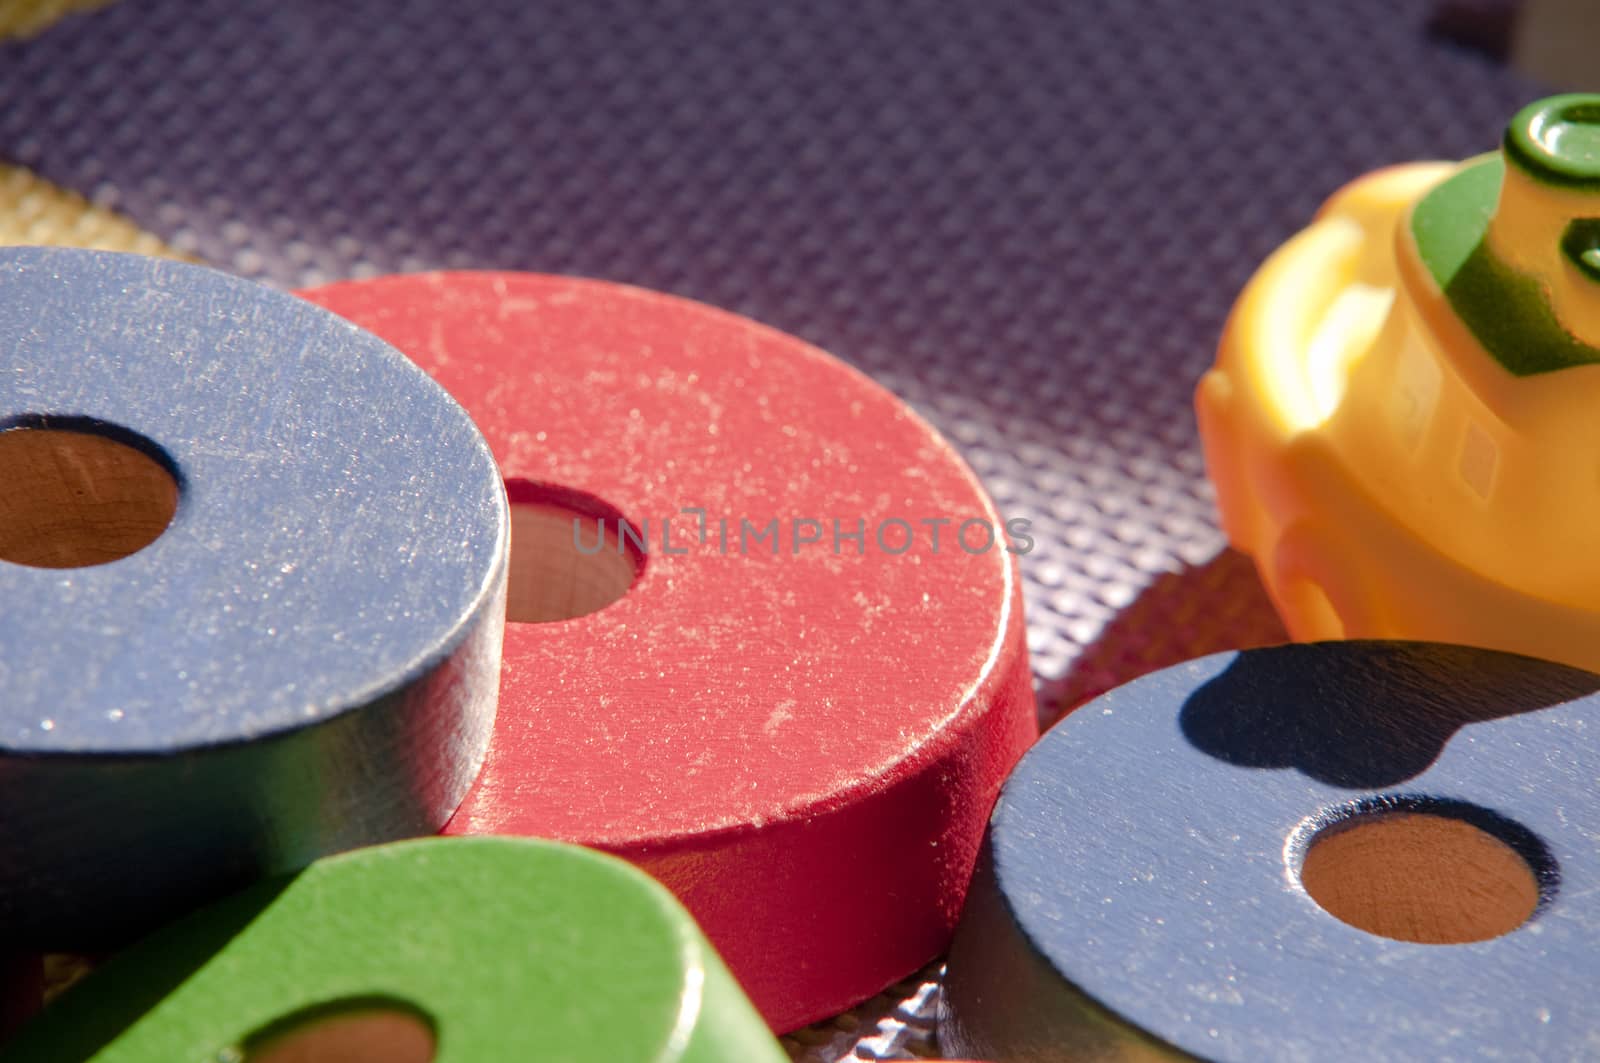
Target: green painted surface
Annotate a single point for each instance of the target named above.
(511, 948)
(1450, 221)
(1557, 140)
(1507, 311)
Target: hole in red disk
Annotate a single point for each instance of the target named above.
(572, 553)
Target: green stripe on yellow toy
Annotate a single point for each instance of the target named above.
(1401, 420)
(1506, 239)
(461, 949)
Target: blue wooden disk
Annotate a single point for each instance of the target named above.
(1139, 897)
(304, 661)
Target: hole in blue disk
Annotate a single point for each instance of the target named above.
(75, 493)
(1428, 870)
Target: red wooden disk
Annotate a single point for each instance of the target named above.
(802, 740)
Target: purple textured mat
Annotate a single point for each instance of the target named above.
(1027, 218)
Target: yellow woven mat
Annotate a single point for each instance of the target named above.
(34, 211)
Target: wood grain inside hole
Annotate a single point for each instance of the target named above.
(375, 1035)
(550, 578)
(70, 499)
(1417, 877)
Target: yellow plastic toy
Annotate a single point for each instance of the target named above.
(1403, 423)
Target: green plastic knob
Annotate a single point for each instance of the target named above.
(1557, 139)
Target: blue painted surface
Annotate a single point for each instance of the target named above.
(1139, 888)
(305, 660)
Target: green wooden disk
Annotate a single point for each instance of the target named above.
(501, 948)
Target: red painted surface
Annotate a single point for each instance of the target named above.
(804, 747)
